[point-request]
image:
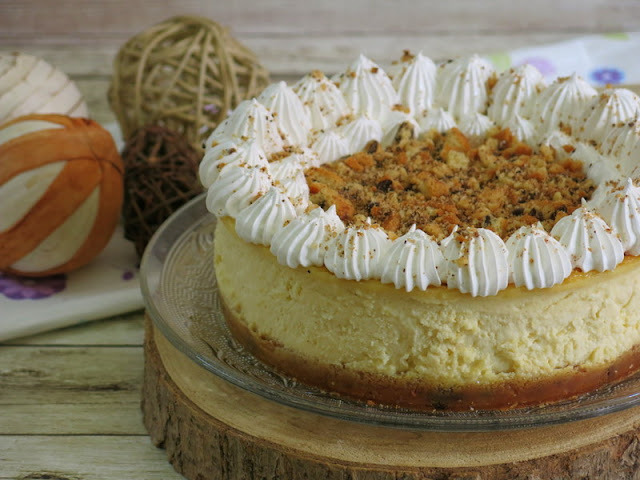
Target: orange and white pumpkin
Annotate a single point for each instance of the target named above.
(30, 85)
(61, 193)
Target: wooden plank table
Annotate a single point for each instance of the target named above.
(69, 403)
(69, 400)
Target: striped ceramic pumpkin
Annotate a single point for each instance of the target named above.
(60, 193)
(29, 85)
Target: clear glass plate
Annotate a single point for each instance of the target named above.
(180, 292)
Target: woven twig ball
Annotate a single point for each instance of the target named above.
(185, 74)
(161, 175)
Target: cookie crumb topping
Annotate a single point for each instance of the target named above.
(441, 180)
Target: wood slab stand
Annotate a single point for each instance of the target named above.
(214, 430)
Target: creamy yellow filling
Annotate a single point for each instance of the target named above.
(438, 335)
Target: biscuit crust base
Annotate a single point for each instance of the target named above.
(415, 395)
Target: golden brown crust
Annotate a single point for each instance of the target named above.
(422, 396)
(439, 181)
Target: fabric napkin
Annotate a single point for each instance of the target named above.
(599, 59)
(105, 287)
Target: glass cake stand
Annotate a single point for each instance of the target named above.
(180, 292)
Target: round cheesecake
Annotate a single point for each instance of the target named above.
(441, 237)
(432, 349)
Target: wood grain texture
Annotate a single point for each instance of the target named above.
(121, 330)
(66, 375)
(70, 405)
(110, 416)
(121, 18)
(291, 55)
(209, 430)
(80, 391)
(87, 457)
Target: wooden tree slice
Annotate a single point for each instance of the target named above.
(214, 430)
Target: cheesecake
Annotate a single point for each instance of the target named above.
(435, 237)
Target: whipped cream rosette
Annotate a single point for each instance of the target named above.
(394, 123)
(476, 262)
(360, 131)
(415, 82)
(515, 94)
(250, 120)
(304, 240)
(415, 261)
(437, 119)
(562, 103)
(621, 144)
(591, 243)
(620, 209)
(611, 108)
(288, 111)
(330, 146)
(367, 89)
(261, 220)
(322, 101)
(256, 161)
(536, 259)
(236, 188)
(462, 86)
(522, 128)
(475, 125)
(357, 253)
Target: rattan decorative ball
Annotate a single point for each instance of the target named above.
(185, 73)
(161, 175)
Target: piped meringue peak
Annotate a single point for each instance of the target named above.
(536, 259)
(591, 243)
(357, 253)
(462, 86)
(562, 103)
(515, 93)
(367, 88)
(322, 100)
(611, 108)
(415, 261)
(415, 82)
(476, 261)
(363, 174)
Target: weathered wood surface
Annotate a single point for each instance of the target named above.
(118, 18)
(297, 55)
(82, 457)
(293, 37)
(70, 405)
(121, 330)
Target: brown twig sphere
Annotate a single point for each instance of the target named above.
(161, 175)
(185, 73)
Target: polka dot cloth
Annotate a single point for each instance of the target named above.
(599, 59)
